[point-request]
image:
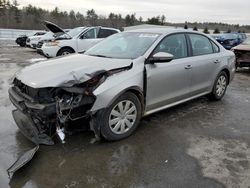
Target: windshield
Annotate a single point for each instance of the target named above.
(247, 41)
(75, 31)
(48, 34)
(127, 45)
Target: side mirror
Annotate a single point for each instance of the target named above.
(161, 57)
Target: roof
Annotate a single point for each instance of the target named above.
(162, 30)
(145, 26)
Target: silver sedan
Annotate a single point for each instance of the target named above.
(121, 79)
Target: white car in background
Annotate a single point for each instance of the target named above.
(33, 40)
(54, 32)
(76, 40)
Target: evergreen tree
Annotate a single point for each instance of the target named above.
(216, 31)
(206, 30)
(154, 20)
(229, 30)
(92, 17)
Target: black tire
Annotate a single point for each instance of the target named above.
(65, 51)
(22, 44)
(103, 117)
(236, 66)
(214, 95)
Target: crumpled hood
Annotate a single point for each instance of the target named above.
(66, 71)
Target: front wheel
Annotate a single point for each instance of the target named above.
(65, 51)
(220, 87)
(121, 118)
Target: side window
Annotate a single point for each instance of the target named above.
(215, 47)
(175, 45)
(103, 33)
(90, 34)
(201, 45)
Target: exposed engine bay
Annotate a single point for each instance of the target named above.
(242, 58)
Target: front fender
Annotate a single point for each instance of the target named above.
(116, 84)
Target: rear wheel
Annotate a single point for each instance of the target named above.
(121, 118)
(220, 87)
(65, 51)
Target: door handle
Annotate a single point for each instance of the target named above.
(217, 61)
(188, 67)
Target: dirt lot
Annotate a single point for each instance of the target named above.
(196, 144)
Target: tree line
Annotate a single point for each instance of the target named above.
(31, 17)
(217, 27)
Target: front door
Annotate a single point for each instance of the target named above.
(87, 40)
(169, 82)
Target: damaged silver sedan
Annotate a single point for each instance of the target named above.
(118, 81)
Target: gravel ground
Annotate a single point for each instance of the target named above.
(196, 144)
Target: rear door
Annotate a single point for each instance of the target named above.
(104, 32)
(169, 82)
(206, 61)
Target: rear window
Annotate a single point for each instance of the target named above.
(103, 33)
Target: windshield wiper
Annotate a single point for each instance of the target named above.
(97, 55)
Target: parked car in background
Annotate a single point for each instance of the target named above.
(21, 40)
(119, 80)
(216, 36)
(76, 40)
(33, 40)
(59, 35)
(242, 36)
(52, 34)
(229, 40)
(242, 53)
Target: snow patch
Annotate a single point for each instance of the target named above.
(7, 38)
(225, 160)
(4, 59)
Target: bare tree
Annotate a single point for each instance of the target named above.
(163, 20)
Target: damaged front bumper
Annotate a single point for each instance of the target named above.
(30, 130)
(30, 127)
(40, 122)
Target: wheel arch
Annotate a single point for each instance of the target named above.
(96, 127)
(65, 47)
(228, 74)
(136, 91)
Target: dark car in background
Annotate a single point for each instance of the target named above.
(242, 53)
(229, 40)
(21, 40)
(242, 36)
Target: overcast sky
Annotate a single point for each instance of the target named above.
(229, 11)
